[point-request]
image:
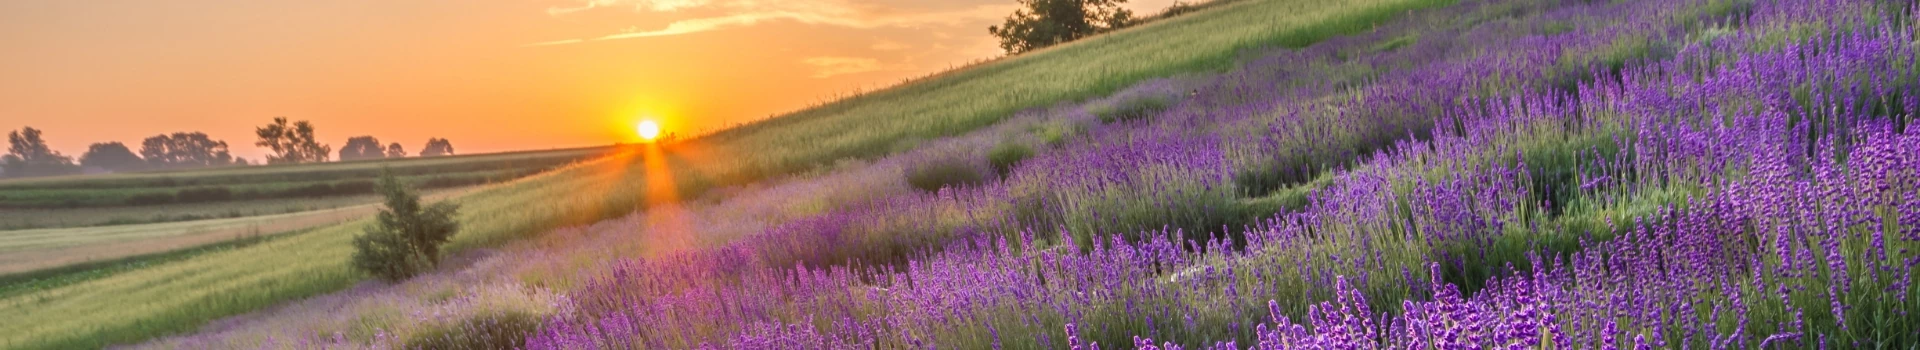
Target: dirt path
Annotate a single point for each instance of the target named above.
(28, 250)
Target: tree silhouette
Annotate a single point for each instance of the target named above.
(112, 156)
(437, 147)
(28, 155)
(291, 144)
(1043, 23)
(362, 147)
(184, 150)
(395, 151)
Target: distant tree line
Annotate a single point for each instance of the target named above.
(290, 143)
(28, 155)
(368, 147)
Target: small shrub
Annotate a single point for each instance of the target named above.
(1131, 109)
(1007, 155)
(931, 176)
(407, 237)
(488, 330)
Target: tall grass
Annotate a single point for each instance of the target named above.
(180, 296)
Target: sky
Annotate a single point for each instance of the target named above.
(492, 75)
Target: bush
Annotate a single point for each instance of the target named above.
(1006, 155)
(931, 176)
(489, 330)
(407, 237)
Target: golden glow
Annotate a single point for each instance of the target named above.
(648, 130)
(209, 66)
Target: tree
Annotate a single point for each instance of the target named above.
(184, 150)
(437, 147)
(28, 155)
(291, 144)
(362, 147)
(405, 241)
(112, 156)
(394, 151)
(1042, 23)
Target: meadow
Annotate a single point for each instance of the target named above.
(1511, 174)
(25, 250)
(44, 218)
(281, 182)
(180, 295)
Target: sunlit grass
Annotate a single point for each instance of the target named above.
(179, 296)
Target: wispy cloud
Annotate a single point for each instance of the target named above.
(740, 13)
(826, 67)
(642, 5)
(889, 45)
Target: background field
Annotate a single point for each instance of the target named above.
(33, 249)
(305, 181)
(39, 218)
(139, 303)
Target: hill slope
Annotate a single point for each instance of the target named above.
(179, 296)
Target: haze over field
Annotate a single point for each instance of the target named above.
(561, 73)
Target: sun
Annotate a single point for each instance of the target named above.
(648, 130)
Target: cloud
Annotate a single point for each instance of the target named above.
(825, 67)
(640, 5)
(740, 13)
(889, 45)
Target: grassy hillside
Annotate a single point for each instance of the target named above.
(1475, 176)
(178, 296)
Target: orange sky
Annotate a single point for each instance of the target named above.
(491, 75)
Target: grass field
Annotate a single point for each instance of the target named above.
(176, 296)
(30, 218)
(35, 249)
(304, 181)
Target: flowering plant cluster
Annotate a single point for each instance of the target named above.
(1494, 174)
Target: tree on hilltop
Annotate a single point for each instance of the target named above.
(1043, 23)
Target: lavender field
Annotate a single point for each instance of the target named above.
(1540, 174)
